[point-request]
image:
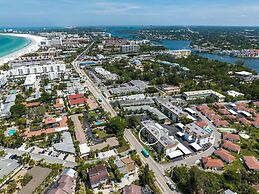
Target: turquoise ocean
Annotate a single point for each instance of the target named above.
(11, 44)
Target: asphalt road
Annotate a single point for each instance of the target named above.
(153, 165)
(91, 86)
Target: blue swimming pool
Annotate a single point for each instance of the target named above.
(208, 130)
(99, 123)
(11, 132)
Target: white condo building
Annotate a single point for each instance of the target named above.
(44, 69)
(30, 81)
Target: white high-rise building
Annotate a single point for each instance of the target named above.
(130, 48)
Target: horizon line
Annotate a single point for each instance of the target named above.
(122, 25)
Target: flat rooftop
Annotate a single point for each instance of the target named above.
(203, 92)
(153, 110)
(7, 166)
(176, 110)
(193, 128)
(158, 131)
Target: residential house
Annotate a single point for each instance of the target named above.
(59, 104)
(132, 189)
(224, 155)
(98, 175)
(231, 137)
(66, 183)
(76, 100)
(210, 163)
(92, 103)
(231, 146)
(53, 125)
(126, 166)
(251, 163)
(221, 123)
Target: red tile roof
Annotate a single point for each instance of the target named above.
(201, 124)
(230, 136)
(242, 104)
(256, 124)
(203, 107)
(221, 123)
(256, 117)
(31, 104)
(244, 121)
(59, 103)
(224, 155)
(63, 122)
(231, 117)
(208, 162)
(214, 117)
(256, 103)
(50, 120)
(251, 162)
(250, 110)
(231, 146)
(75, 96)
(77, 101)
(28, 133)
(224, 111)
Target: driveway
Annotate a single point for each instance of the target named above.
(79, 131)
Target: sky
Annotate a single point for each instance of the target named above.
(37, 13)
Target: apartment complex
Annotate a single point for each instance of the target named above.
(43, 69)
(193, 95)
(160, 134)
(129, 48)
(173, 112)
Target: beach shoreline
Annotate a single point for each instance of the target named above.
(32, 47)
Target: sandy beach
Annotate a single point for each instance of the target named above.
(32, 47)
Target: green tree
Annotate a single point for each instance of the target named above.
(116, 125)
(18, 110)
(11, 188)
(45, 97)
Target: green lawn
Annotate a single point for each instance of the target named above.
(246, 152)
(100, 133)
(237, 164)
(123, 148)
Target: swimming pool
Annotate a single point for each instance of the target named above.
(11, 132)
(208, 130)
(99, 122)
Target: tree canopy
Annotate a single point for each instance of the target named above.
(116, 125)
(18, 110)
